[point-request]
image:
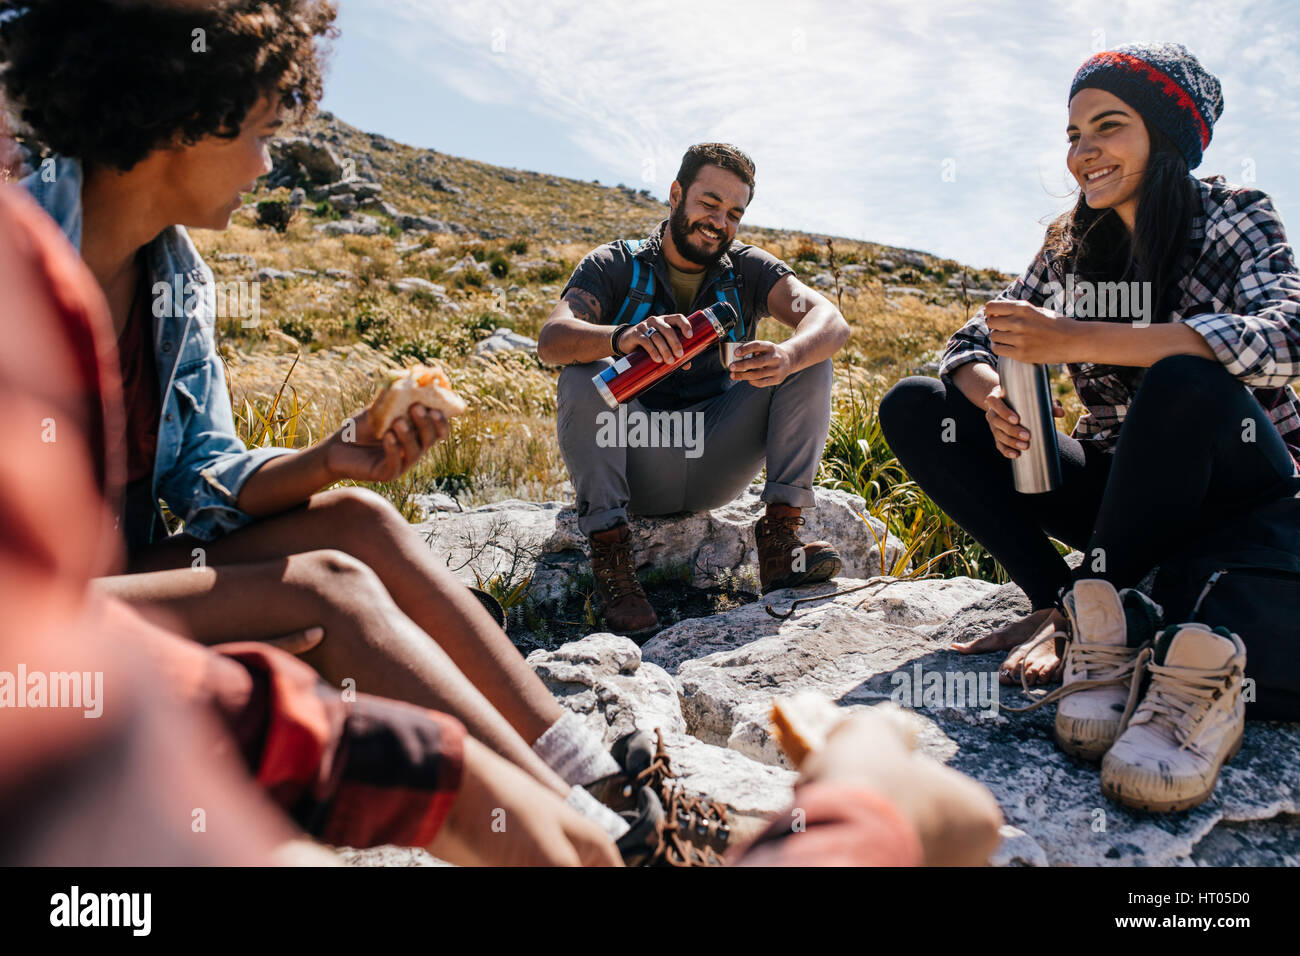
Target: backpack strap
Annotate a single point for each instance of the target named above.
(641, 293)
(726, 289)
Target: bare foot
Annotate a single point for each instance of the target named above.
(1042, 664)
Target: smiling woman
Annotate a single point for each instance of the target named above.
(1220, 307)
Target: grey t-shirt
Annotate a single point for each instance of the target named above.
(606, 273)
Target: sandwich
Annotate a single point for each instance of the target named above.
(421, 385)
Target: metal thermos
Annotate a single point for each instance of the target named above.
(1037, 468)
(635, 372)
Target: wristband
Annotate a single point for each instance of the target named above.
(613, 341)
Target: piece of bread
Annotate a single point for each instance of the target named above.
(421, 385)
(801, 723)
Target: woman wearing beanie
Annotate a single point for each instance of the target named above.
(1189, 413)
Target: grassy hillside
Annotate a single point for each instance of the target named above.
(337, 309)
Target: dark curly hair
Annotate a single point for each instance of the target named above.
(109, 82)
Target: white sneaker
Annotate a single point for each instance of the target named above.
(1189, 724)
(1107, 630)
(1099, 660)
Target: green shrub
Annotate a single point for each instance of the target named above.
(858, 459)
(469, 277)
(499, 265)
(517, 246)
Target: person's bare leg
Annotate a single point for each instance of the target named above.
(367, 637)
(1042, 664)
(364, 525)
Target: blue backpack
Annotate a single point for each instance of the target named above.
(641, 294)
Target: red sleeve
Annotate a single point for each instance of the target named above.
(832, 825)
(351, 773)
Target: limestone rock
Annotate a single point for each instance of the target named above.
(318, 160)
(504, 340)
(712, 546)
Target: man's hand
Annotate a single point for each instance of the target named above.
(659, 335)
(503, 817)
(358, 454)
(1031, 334)
(956, 817)
(761, 364)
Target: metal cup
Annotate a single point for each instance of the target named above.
(728, 350)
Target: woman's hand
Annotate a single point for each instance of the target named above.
(355, 452)
(1008, 434)
(1028, 333)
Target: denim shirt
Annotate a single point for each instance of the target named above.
(201, 463)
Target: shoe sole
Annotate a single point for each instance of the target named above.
(1091, 749)
(822, 570)
(1184, 803)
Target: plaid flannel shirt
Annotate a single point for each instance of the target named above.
(1239, 289)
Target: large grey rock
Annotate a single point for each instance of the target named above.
(410, 222)
(505, 340)
(603, 679)
(359, 225)
(712, 547)
(319, 161)
(416, 284)
(728, 667)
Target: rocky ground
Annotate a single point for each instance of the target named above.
(707, 683)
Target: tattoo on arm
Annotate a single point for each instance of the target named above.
(583, 305)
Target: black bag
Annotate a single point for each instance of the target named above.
(1246, 577)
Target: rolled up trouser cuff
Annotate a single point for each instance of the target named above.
(792, 495)
(601, 520)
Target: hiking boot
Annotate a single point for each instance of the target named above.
(783, 560)
(1189, 724)
(1107, 630)
(667, 825)
(624, 605)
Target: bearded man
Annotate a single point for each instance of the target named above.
(769, 406)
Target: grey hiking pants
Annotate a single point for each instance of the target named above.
(635, 460)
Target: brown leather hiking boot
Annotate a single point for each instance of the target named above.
(783, 560)
(667, 824)
(623, 603)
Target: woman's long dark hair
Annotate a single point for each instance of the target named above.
(1095, 245)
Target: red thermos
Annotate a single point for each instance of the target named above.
(635, 372)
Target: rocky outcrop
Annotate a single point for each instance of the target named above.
(709, 548)
(298, 155)
(885, 643)
(505, 340)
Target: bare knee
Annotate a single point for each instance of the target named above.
(357, 520)
(354, 505)
(338, 580)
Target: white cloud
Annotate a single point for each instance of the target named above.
(849, 110)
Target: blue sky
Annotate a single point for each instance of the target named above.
(935, 126)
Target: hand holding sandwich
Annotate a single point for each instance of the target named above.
(411, 412)
(379, 443)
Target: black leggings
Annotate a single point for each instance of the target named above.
(1184, 456)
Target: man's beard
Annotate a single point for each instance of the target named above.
(680, 229)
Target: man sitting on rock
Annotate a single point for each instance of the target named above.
(771, 404)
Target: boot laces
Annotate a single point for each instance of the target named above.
(691, 820)
(1185, 700)
(616, 570)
